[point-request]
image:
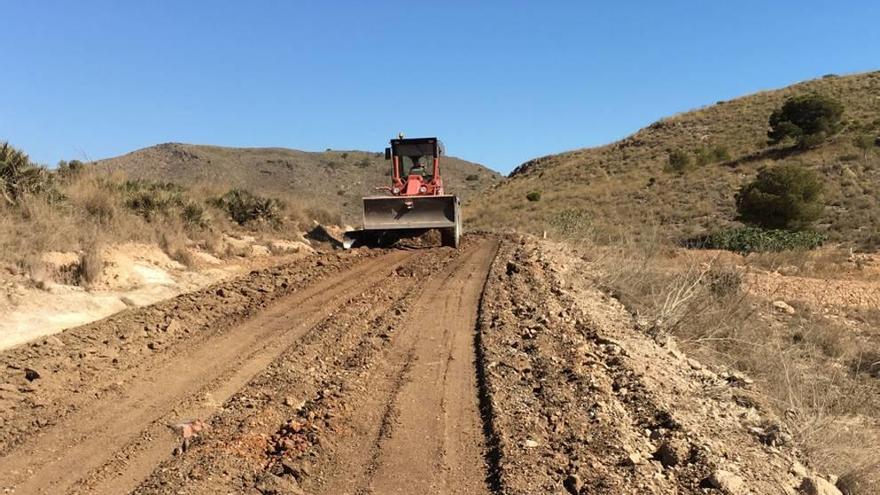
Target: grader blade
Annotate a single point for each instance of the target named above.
(389, 218)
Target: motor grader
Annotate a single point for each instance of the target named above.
(414, 203)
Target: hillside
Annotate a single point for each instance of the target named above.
(627, 182)
(334, 181)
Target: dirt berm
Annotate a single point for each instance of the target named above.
(496, 368)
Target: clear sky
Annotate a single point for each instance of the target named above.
(499, 81)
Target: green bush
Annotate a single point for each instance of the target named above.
(245, 207)
(193, 215)
(705, 155)
(808, 119)
(472, 177)
(679, 161)
(752, 239)
(19, 177)
(782, 197)
(69, 169)
(534, 196)
(152, 199)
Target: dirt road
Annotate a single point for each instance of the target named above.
(112, 443)
(489, 369)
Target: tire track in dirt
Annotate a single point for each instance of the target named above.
(309, 383)
(118, 443)
(421, 431)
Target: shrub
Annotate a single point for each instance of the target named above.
(91, 263)
(720, 154)
(363, 163)
(679, 161)
(782, 197)
(193, 215)
(752, 239)
(69, 169)
(152, 199)
(704, 156)
(808, 119)
(100, 205)
(572, 224)
(534, 196)
(865, 142)
(472, 177)
(245, 207)
(18, 176)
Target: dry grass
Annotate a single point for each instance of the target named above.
(91, 263)
(812, 370)
(628, 179)
(90, 210)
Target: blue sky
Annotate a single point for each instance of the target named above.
(499, 82)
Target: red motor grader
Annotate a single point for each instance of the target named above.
(414, 203)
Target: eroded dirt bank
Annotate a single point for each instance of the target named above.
(492, 369)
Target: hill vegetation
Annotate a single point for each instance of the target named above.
(333, 181)
(177, 195)
(79, 208)
(680, 175)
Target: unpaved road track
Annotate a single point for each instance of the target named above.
(112, 445)
(497, 368)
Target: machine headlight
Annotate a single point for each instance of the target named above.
(423, 189)
(396, 190)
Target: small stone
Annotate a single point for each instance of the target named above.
(633, 459)
(741, 377)
(814, 485)
(727, 482)
(31, 374)
(573, 484)
(270, 484)
(54, 341)
(286, 444)
(174, 327)
(530, 444)
(667, 455)
(798, 470)
(783, 307)
(297, 470)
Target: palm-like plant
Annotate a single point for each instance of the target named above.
(18, 176)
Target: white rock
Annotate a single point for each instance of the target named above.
(783, 307)
(728, 483)
(259, 250)
(814, 485)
